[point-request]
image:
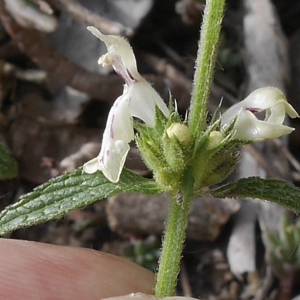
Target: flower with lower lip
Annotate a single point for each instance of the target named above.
(248, 127)
(138, 100)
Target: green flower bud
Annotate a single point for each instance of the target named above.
(215, 139)
(163, 148)
(181, 133)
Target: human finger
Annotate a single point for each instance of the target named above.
(31, 270)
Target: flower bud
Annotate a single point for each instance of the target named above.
(180, 132)
(215, 139)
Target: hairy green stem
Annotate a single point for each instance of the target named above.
(205, 63)
(174, 237)
(175, 231)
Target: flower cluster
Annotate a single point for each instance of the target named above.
(140, 100)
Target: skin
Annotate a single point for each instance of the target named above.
(31, 270)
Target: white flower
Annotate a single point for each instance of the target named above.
(248, 127)
(139, 100)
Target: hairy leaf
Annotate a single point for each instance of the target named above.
(70, 191)
(273, 190)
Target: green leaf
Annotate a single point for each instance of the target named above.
(65, 193)
(273, 190)
(8, 166)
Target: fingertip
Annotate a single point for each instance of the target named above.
(31, 270)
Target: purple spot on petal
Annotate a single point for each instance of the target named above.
(130, 75)
(111, 127)
(253, 110)
(104, 157)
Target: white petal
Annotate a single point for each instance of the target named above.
(231, 113)
(116, 138)
(120, 53)
(112, 158)
(276, 114)
(291, 111)
(263, 98)
(143, 101)
(91, 166)
(248, 127)
(119, 122)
